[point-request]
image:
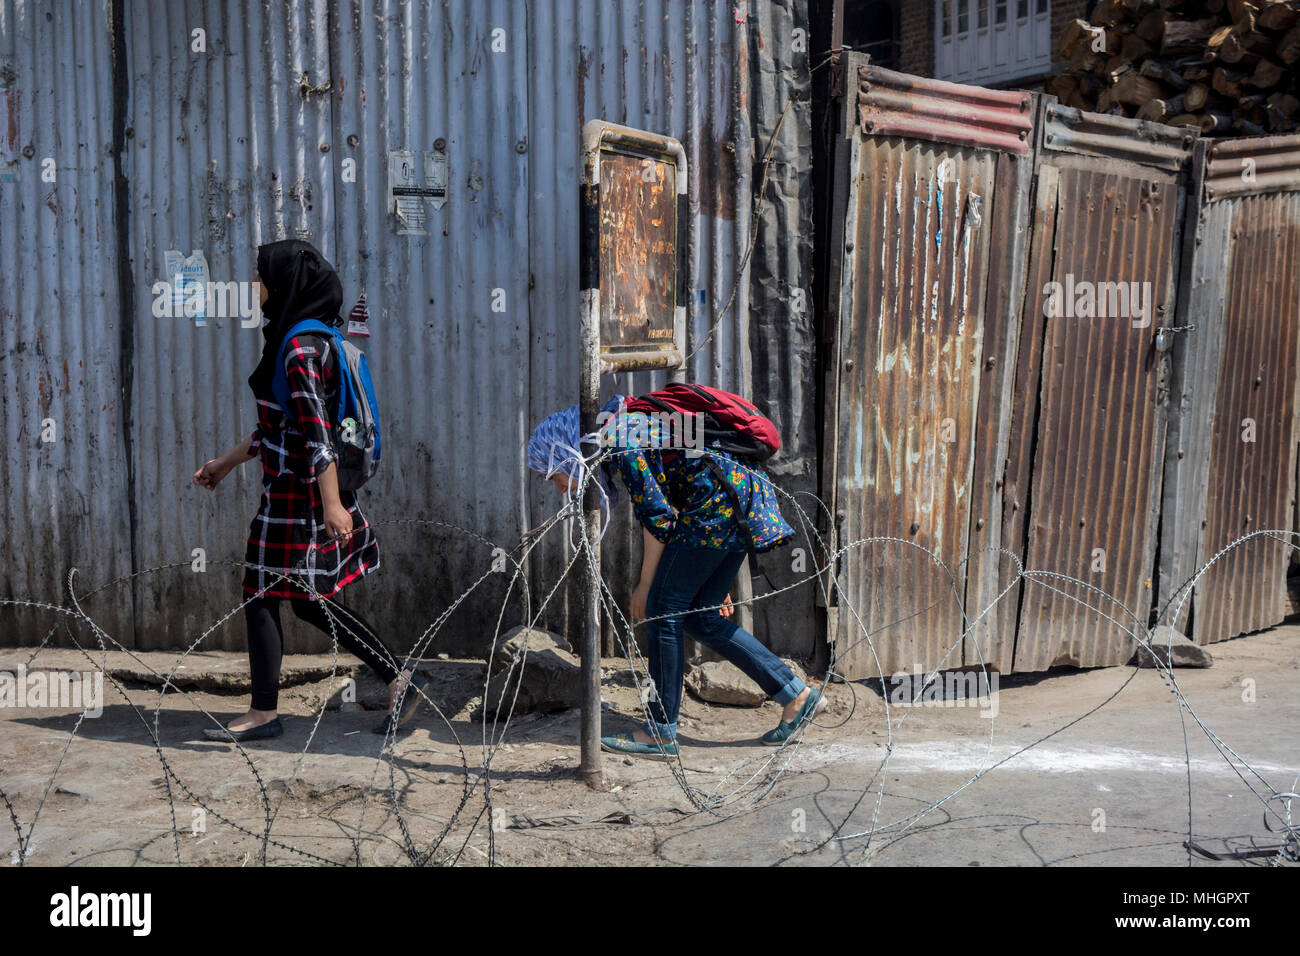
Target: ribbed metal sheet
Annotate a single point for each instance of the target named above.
(898, 104)
(451, 312)
(65, 501)
(1095, 487)
(1071, 130)
(989, 573)
(1241, 167)
(1253, 450)
(782, 339)
(910, 355)
(1023, 407)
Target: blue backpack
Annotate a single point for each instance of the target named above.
(356, 425)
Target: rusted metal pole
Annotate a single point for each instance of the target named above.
(590, 765)
(588, 409)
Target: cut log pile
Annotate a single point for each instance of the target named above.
(1228, 67)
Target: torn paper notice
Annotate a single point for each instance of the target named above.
(188, 278)
(414, 182)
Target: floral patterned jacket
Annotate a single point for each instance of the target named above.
(679, 498)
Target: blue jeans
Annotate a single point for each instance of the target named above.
(690, 577)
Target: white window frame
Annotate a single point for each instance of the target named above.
(989, 50)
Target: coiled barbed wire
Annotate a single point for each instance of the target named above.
(738, 789)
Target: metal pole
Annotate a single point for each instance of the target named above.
(588, 409)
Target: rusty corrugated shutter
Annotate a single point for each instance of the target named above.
(922, 165)
(1232, 456)
(1093, 499)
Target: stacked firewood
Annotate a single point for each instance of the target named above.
(1229, 67)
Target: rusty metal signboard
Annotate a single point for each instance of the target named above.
(634, 246)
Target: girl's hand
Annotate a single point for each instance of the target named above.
(338, 520)
(211, 473)
(727, 608)
(638, 602)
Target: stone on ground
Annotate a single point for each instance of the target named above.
(1172, 649)
(722, 682)
(546, 673)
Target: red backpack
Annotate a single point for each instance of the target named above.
(731, 423)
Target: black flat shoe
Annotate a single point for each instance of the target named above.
(272, 728)
(410, 704)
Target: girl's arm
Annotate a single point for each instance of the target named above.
(652, 551)
(338, 520)
(213, 471)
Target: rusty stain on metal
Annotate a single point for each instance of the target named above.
(637, 250)
(896, 104)
(11, 123)
(1259, 164)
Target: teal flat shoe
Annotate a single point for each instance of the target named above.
(625, 744)
(782, 731)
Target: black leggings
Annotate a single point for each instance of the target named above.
(266, 642)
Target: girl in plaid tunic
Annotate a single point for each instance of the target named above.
(309, 538)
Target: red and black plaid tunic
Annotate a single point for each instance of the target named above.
(294, 450)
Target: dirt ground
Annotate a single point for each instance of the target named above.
(1110, 789)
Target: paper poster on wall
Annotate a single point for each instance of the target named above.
(416, 180)
(188, 278)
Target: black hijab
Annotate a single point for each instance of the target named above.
(300, 284)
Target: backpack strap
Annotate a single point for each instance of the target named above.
(280, 381)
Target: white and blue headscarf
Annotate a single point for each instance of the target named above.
(555, 447)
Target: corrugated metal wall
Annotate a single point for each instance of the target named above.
(65, 499)
(991, 601)
(280, 124)
(1238, 371)
(454, 369)
(277, 121)
(1094, 499)
(922, 162)
(782, 341)
(1070, 441)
